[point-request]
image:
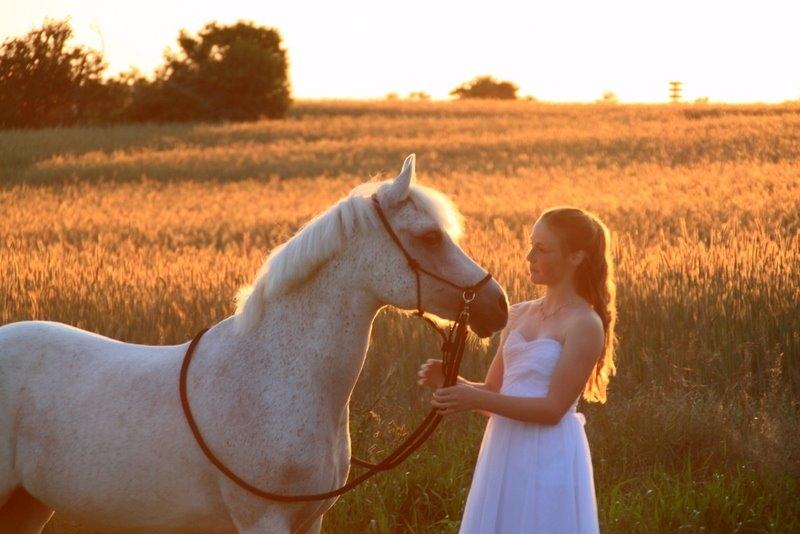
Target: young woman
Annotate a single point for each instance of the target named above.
(534, 469)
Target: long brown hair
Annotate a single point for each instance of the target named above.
(579, 229)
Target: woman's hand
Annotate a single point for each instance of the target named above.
(431, 374)
(456, 398)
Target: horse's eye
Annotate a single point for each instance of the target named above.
(434, 237)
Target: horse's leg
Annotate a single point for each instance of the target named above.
(277, 523)
(251, 514)
(315, 527)
(24, 513)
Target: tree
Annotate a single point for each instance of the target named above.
(45, 83)
(486, 87)
(609, 97)
(236, 72)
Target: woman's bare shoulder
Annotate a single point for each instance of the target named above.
(585, 321)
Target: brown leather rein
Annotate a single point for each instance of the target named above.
(452, 351)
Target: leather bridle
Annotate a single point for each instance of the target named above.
(417, 268)
(452, 352)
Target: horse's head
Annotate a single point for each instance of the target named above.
(428, 226)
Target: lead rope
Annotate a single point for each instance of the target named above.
(452, 353)
(453, 350)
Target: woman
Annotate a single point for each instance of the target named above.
(534, 468)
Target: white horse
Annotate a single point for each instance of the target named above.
(93, 427)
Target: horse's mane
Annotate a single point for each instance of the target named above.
(318, 240)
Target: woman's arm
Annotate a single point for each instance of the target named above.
(583, 346)
(430, 372)
(494, 375)
(493, 380)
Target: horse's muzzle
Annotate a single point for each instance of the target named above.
(489, 310)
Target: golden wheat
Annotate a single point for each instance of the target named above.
(144, 233)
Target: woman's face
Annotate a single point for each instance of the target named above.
(545, 261)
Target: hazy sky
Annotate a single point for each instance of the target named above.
(556, 50)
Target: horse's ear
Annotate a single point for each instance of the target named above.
(399, 188)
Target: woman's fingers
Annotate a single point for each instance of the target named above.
(427, 366)
(443, 402)
(428, 372)
(439, 404)
(443, 407)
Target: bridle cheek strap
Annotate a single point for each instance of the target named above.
(469, 291)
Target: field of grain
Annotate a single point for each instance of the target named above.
(144, 233)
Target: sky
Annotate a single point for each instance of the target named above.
(559, 50)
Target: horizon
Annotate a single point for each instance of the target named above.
(729, 54)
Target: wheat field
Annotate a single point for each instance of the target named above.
(144, 233)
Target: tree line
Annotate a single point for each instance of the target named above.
(226, 72)
(233, 72)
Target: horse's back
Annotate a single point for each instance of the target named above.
(88, 417)
(51, 372)
(23, 350)
(50, 351)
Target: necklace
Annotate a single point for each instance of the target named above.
(544, 316)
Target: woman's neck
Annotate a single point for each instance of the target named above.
(560, 295)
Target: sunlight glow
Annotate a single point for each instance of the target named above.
(555, 51)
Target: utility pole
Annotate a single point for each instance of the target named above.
(675, 88)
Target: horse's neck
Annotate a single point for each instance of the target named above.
(321, 328)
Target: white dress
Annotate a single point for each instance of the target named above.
(532, 478)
